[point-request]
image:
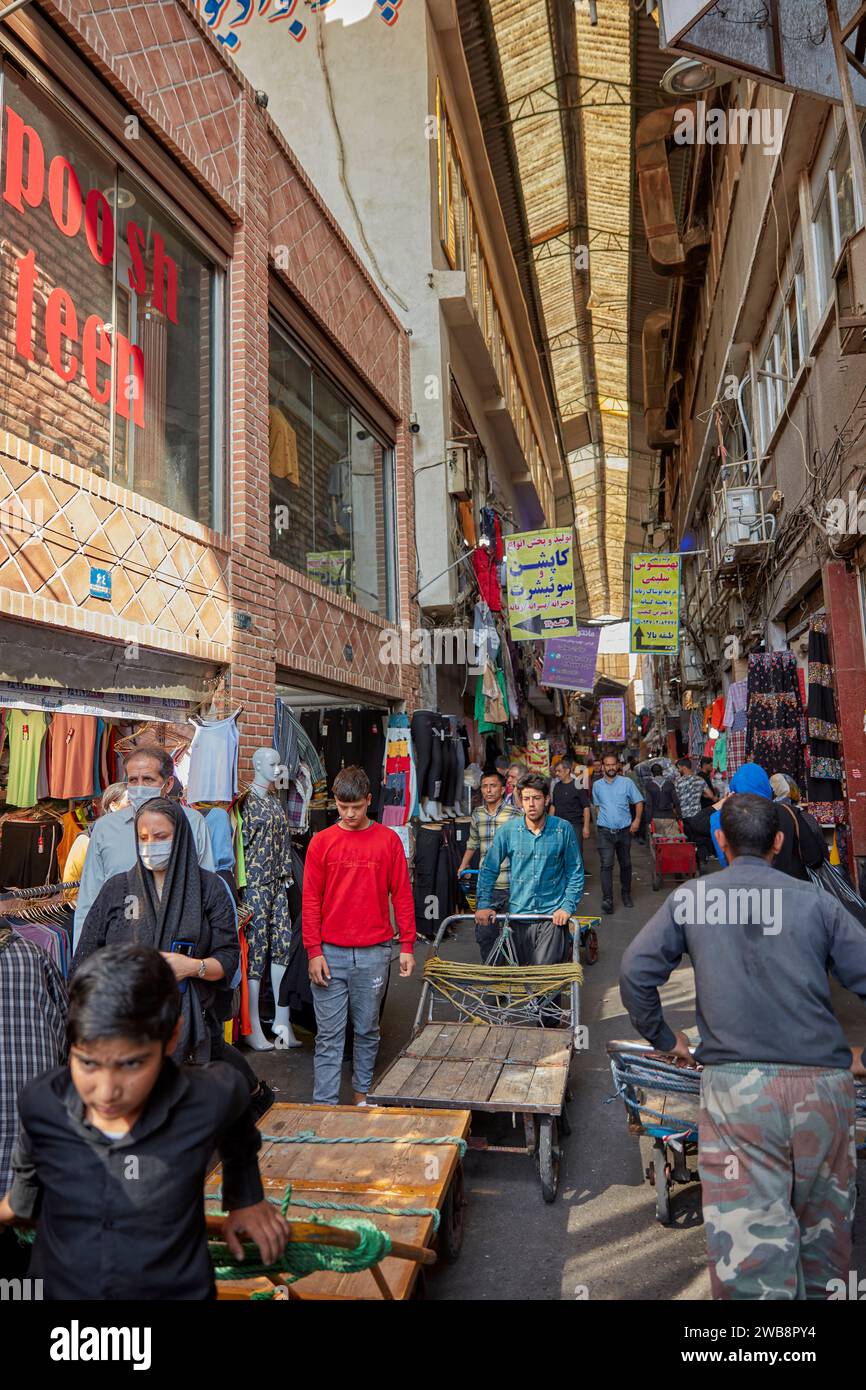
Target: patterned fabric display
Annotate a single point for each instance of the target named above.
(775, 730)
(825, 763)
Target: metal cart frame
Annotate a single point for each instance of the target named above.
(666, 1145)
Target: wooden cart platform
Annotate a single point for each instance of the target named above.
(369, 1175)
(480, 1067)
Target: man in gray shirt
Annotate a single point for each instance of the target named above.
(149, 773)
(776, 1131)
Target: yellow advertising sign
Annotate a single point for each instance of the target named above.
(540, 570)
(654, 620)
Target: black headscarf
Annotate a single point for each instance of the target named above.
(176, 916)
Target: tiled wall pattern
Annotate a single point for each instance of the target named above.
(315, 641)
(169, 578)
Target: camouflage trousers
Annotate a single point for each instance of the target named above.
(778, 1166)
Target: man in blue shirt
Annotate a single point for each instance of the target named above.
(615, 796)
(546, 875)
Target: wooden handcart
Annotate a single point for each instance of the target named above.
(412, 1180)
(491, 1038)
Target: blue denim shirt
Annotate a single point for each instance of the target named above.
(615, 800)
(546, 869)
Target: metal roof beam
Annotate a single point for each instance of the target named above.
(595, 92)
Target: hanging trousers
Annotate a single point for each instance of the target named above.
(427, 741)
(438, 852)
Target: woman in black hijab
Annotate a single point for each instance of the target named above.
(166, 900)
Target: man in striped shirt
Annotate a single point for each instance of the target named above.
(483, 825)
(32, 1040)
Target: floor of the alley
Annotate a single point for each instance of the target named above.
(600, 1238)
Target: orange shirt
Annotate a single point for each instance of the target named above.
(71, 744)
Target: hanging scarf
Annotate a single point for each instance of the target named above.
(176, 916)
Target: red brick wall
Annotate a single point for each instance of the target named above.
(150, 52)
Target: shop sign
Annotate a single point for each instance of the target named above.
(76, 344)
(569, 662)
(539, 567)
(332, 569)
(66, 700)
(654, 619)
(537, 756)
(100, 583)
(612, 720)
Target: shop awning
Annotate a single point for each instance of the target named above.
(73, 674)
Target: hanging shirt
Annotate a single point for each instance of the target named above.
(71, 753)
(213, 761)
(26, 730)
(282, 447)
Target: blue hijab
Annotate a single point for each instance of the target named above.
(751, 778)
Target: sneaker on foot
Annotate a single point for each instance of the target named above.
(626, 900)
(607, 907)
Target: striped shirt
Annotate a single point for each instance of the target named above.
(482, 828)
(33, 1036)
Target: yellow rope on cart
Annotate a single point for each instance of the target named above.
(457, 980)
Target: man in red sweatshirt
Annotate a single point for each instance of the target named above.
(351, 871)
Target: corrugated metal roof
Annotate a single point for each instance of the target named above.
(557, 105)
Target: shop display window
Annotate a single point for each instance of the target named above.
(111, 316)
(331, 484)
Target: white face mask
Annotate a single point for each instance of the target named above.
(156, 853)
(139, 795)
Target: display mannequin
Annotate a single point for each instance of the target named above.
(268, 861)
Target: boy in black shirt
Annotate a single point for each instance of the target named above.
(113, 1148)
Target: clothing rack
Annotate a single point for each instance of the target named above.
(45, 890)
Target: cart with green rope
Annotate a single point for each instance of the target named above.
(496, 1037)
(373, 1197)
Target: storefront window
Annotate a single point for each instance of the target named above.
(331, 484)
(110, 316)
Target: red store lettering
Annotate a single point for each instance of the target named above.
(61, 326)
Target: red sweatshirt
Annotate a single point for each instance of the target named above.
(348, 878)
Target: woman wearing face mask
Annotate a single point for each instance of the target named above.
(168, 901)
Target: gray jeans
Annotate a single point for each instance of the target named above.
(358, 977)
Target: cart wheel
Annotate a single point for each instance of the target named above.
(657, 880)
(548, 1157)
(653, 1171)
(662, 1185)
(452, 1221)
(590, 945)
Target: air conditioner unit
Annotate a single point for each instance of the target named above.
(458, 472)
(849, 274)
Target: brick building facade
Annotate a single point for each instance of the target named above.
(198, 602)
